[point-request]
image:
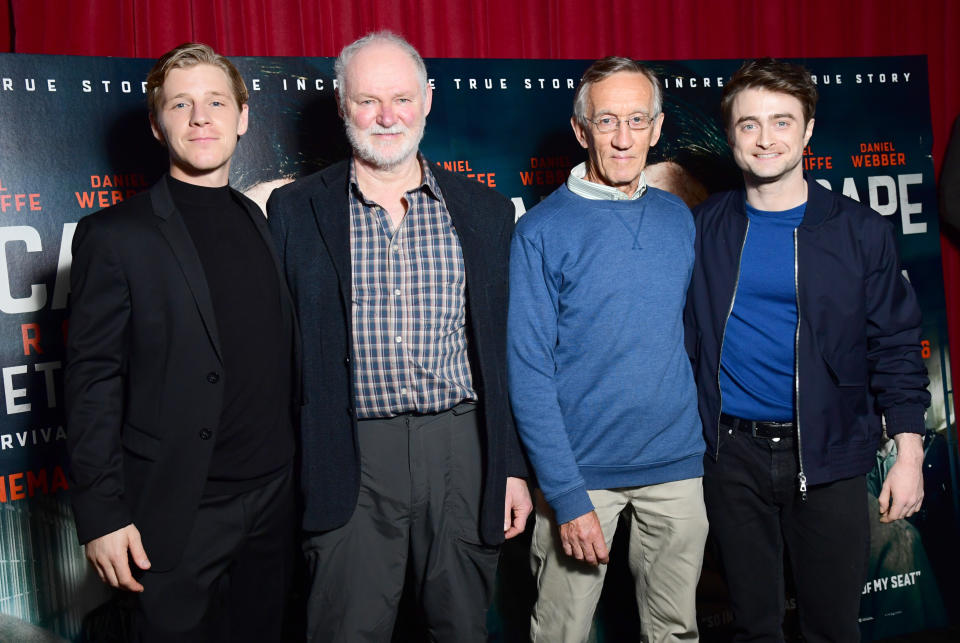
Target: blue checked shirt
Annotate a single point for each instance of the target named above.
(409, 340)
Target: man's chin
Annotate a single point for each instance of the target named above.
(384, 161)
(764, 179)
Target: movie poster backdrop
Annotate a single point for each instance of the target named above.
(74, 138)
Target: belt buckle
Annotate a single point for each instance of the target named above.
(754, 425)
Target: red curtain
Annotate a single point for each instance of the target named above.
(674, 29)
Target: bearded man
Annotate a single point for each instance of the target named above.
(411, 466)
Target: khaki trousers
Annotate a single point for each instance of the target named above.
(667, 536)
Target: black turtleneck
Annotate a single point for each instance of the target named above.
(255, 436)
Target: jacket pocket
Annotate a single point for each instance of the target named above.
(140, 443)
(847, 370)
(849, 378)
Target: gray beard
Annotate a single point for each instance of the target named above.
(368, 153)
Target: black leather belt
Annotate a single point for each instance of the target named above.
(760, 429)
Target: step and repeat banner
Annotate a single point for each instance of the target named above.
(74, 138)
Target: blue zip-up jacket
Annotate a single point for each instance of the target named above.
(857, 341)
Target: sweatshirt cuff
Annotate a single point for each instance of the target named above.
(905, 419)
(572, 504)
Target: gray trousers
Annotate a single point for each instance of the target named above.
(418, 512)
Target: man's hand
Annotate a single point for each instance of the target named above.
(516, 507)
(582, 538)
(110, 555)
(902, 492)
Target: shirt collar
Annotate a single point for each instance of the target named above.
(428, 185)
(579, 185)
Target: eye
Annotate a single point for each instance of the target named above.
(605, 121)
(216, 103)
(748, 127)
(404, 100)
(783, 124)
(638, 119)
(179, 105)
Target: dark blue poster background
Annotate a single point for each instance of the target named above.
(74, 138)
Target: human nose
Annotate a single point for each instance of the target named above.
(764, 139)
(387, 115)
(198, 115)
(622, 136)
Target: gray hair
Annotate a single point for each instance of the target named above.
(373, 38)
(606, 67)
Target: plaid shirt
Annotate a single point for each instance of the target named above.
(409, 340)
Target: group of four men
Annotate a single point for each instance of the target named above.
(360, 343)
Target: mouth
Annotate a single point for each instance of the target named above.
(770, 155)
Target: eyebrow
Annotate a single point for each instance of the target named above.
(743, 119)
(613, 113)
(186, 95)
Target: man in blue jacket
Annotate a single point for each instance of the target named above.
(599, 382)
(803, 332)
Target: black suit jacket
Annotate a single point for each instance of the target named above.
(310, 221)
(144, 377)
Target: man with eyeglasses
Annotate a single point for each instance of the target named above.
(601, 388)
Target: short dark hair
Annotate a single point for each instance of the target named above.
(775, 76)
(188, 55)
(604, 68)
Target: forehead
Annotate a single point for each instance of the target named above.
(621, 93)
(196, 80)
(381, 67)
(756, 102)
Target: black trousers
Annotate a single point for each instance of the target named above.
(755, 511)
(417, 516)
(233, 581)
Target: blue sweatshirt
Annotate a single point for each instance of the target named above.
(601, 386)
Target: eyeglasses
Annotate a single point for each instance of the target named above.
(610, 123)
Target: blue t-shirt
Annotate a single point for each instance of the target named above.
(757, 363)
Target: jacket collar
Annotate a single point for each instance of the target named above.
(820, 203)
(175, 231)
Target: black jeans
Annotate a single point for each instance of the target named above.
(753, 502)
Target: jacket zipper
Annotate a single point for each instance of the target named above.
(802, 477)
(723, 335)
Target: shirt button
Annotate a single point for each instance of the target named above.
(205, 434)
(213, 377)
(403, 391)
(398, 339)
(396, 292)
(396, 248)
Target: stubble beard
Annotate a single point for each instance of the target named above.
(757, 179)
